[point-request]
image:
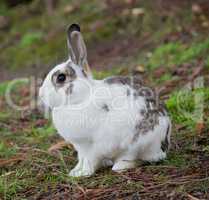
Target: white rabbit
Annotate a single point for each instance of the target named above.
(114, 121)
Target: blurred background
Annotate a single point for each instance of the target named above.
(119, 34)
(165, 42)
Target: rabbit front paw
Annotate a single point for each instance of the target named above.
(83, 168)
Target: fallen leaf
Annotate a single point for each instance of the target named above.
(199, 128)
(40, 122)
(182, 70)
(17, 158)
(196, 9)
(192, 197)
(140, 69)
(137, 12)
(59, 146)
(196, 72)
(69, 9)
(180, 127)
(205, 24)
(4, 22)
(159, 72)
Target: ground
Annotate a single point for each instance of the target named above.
(165, 43)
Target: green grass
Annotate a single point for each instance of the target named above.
(176, 53)
(30, 39)
(3, 87)
(35, 46)
(176, 159)
(7, 151)
(186, 106)
(207, 62)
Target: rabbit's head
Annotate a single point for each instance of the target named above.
(70, 80)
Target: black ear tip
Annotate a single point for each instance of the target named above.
(74, 27)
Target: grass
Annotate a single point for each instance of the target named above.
(176, 53)
(6, 151)
(186, 106)
(3, 87)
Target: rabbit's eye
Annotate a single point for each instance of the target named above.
(61, 78)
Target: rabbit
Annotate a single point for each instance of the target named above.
(111, 122)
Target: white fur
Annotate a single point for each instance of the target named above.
(101, 136)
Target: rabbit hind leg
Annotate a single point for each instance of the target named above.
(153, 153)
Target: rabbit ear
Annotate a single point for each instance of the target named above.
(77, 47)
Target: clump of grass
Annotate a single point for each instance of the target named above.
(187, 106)
(176, 53)
(31, 38)
(5, 151)
(10, 185)
(43, 132)
(165, 55)
(175, 159)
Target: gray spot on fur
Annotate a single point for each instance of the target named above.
(148, 123)
(105, 107)
(134, 82)
(70, 89)
(150, 115)
(84, 73)
(128, 92)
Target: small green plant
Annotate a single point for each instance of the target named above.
(31, 38)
